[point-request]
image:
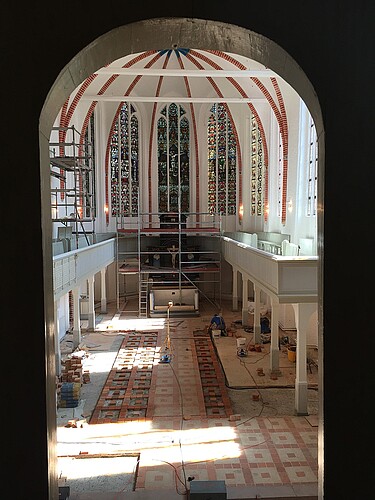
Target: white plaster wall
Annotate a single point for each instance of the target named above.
(63, 315)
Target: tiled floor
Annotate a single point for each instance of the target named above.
(179, 419)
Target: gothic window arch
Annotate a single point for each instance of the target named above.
(312, 185)
(173, 149)
(222, 162)
(257, 170)
(124, 158)
(280, 174)
(88, 175)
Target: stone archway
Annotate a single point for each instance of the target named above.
(147, 35)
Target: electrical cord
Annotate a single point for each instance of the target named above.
(169, 348)
(243, 363)
(181, 426)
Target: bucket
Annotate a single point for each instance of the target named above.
(241, 342)
(216, 333)
(292, 353)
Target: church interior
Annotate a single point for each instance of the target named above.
(162, 163)
(184, 182)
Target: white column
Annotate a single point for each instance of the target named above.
(245, 299)
(103, 291)
(274, 349)
(76, 318)
(302, 313)
(91, 314)
(256, 327)
(234, 289)
(57, 339)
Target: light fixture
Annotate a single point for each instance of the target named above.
(240, 211)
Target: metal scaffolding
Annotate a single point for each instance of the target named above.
(72, 182)
(169, 250)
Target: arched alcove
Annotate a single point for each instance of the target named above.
(156, 34)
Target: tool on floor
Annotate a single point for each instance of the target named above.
(241, 352)
(166, 357)
(241, 347)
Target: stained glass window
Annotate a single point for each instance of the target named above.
(222, 162)
(257, 171)
(88, 175)
(124, 157)
(280, 175)
(313, 170)
(173, 141)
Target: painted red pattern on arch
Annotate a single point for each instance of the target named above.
(219, 94)
(197, 183)
(68, 113)
(152, 128)
(281, 119)
(192, 55)
(130, 63)
(61, 139)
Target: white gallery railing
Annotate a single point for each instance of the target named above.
(291, 279)
(72, 268)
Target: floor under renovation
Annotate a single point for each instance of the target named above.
(145, 429)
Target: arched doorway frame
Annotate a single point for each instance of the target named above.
(155, 34)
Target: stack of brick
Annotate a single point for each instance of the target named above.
(71, 379)
(72, 370)
(69, 395)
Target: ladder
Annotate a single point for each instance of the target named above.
(143, 295)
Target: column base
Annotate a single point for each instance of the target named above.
(91, 321)
(103, 307)
(274, 361)
(257, 334)
(76, 338)
(301, 398)
(245, 317)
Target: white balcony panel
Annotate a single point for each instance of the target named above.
(290, 279)
(298, 277)
(72, 268)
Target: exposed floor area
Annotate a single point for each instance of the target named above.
(144, 428)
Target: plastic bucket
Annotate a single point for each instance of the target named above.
(292, 353)
(241, 342)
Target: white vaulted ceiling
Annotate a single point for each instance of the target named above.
(191, 75)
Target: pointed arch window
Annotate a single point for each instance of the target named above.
(313, 170)
(222, 162)
(257, 170)
(173, 146)
(279, 174)
(124, 155)
(88, 175)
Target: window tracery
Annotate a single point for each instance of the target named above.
(124, 158)
(173, 146)
(222, 162)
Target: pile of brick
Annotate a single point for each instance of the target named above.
(70, 382)
(70, 393)
(72, 370)
(68, 385)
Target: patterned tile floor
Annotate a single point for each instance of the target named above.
(185, 428)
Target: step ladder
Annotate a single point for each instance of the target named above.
(143, 296)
